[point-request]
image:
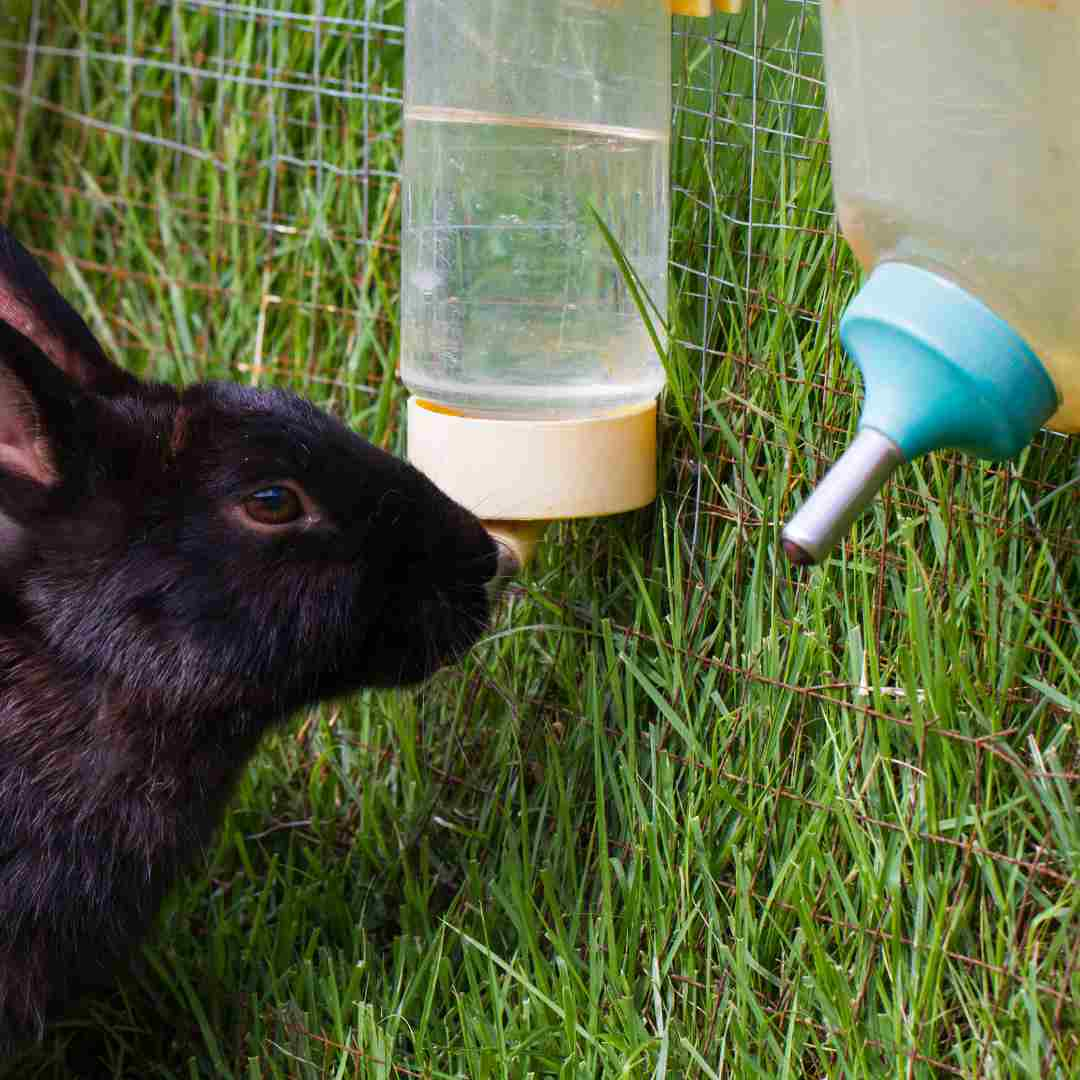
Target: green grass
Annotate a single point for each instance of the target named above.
(685, 812)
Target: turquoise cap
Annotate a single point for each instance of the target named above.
(940, 369)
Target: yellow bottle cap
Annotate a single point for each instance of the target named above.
(703, 8)
(537, 470)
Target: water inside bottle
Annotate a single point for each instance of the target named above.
(513, 305)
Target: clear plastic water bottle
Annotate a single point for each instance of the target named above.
(524, 125)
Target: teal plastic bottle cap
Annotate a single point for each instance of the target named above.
(940, 370)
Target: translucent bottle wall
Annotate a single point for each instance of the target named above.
(520, 121)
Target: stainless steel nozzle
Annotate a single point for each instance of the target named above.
(840, 497)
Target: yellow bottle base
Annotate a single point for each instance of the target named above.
(1065, 371)
(537, 470)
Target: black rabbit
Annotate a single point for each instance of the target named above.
(179, 571)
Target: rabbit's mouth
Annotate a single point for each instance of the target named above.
(414, 640)
(454, 622)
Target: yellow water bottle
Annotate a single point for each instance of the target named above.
(955, 156)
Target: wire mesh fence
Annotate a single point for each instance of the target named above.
(216, 184)
(201, 116)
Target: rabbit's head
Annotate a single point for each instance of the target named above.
(218, 543)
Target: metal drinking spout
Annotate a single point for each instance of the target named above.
(940, 371)
(516, 541)
(849, 486)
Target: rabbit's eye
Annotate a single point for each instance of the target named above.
(273, 506)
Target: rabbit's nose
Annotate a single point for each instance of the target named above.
(507, 564)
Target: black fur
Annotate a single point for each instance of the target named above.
(149, 633)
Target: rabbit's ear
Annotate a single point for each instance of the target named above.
(31, 305)
(41, 422)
